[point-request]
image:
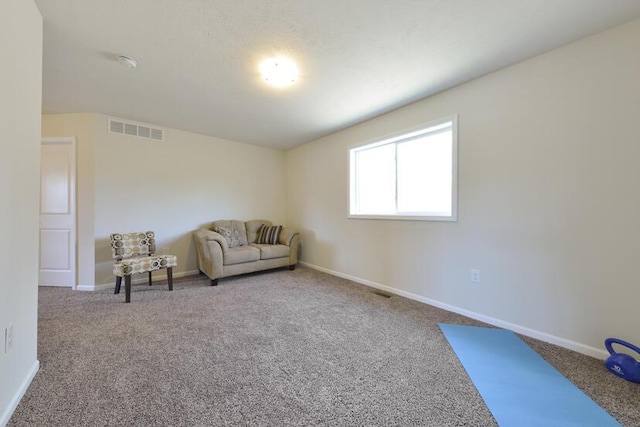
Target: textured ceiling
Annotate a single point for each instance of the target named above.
(198, 59)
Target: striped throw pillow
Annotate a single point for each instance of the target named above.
(268, 235)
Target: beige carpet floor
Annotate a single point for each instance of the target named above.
(280, 348)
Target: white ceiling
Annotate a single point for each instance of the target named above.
(198, 59)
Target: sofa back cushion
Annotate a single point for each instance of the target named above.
(233, 231)
(252, 228)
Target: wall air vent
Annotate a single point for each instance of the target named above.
(123, 128)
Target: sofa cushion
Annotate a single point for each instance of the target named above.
(272, 251)
(241, 254)
(269, 235)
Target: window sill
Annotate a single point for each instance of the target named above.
(406, 217)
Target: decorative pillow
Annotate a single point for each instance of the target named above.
(230, 234)
(269, 235)
(242, 231)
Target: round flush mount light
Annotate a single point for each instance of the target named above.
(127, 61)
(279, 71)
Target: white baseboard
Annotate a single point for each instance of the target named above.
(136, 281)
(13, 404)
(542, 336)
(90, 288)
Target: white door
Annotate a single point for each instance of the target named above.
(58, 212)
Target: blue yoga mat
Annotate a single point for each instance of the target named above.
(519, 387)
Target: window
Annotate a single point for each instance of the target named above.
(411, 175)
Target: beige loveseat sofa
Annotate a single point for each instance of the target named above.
(231, 247)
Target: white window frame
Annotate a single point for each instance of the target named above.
(408, 134)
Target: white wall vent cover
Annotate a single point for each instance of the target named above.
(123, 128)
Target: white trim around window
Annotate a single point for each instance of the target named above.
(408, 175)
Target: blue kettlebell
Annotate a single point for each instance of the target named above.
(621, 364)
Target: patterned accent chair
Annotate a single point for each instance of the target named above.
(135, 253)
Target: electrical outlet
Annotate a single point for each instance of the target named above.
(475, 275)
(8, 339)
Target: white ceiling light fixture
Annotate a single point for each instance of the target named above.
(127, 61)
(279, 71)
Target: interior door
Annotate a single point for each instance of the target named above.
(58, 212)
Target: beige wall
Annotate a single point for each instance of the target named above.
(548, 199)
(20, 104)
(171, 187)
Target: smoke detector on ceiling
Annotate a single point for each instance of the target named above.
(127, 61)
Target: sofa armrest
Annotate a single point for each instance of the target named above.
(287, 235)
(203, 236)
(210, 248)
(291, 238)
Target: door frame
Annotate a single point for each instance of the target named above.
(71, 141)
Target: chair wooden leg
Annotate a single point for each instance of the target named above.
(118, 283)
(127, 288)
(170, 277)
(149, 278)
